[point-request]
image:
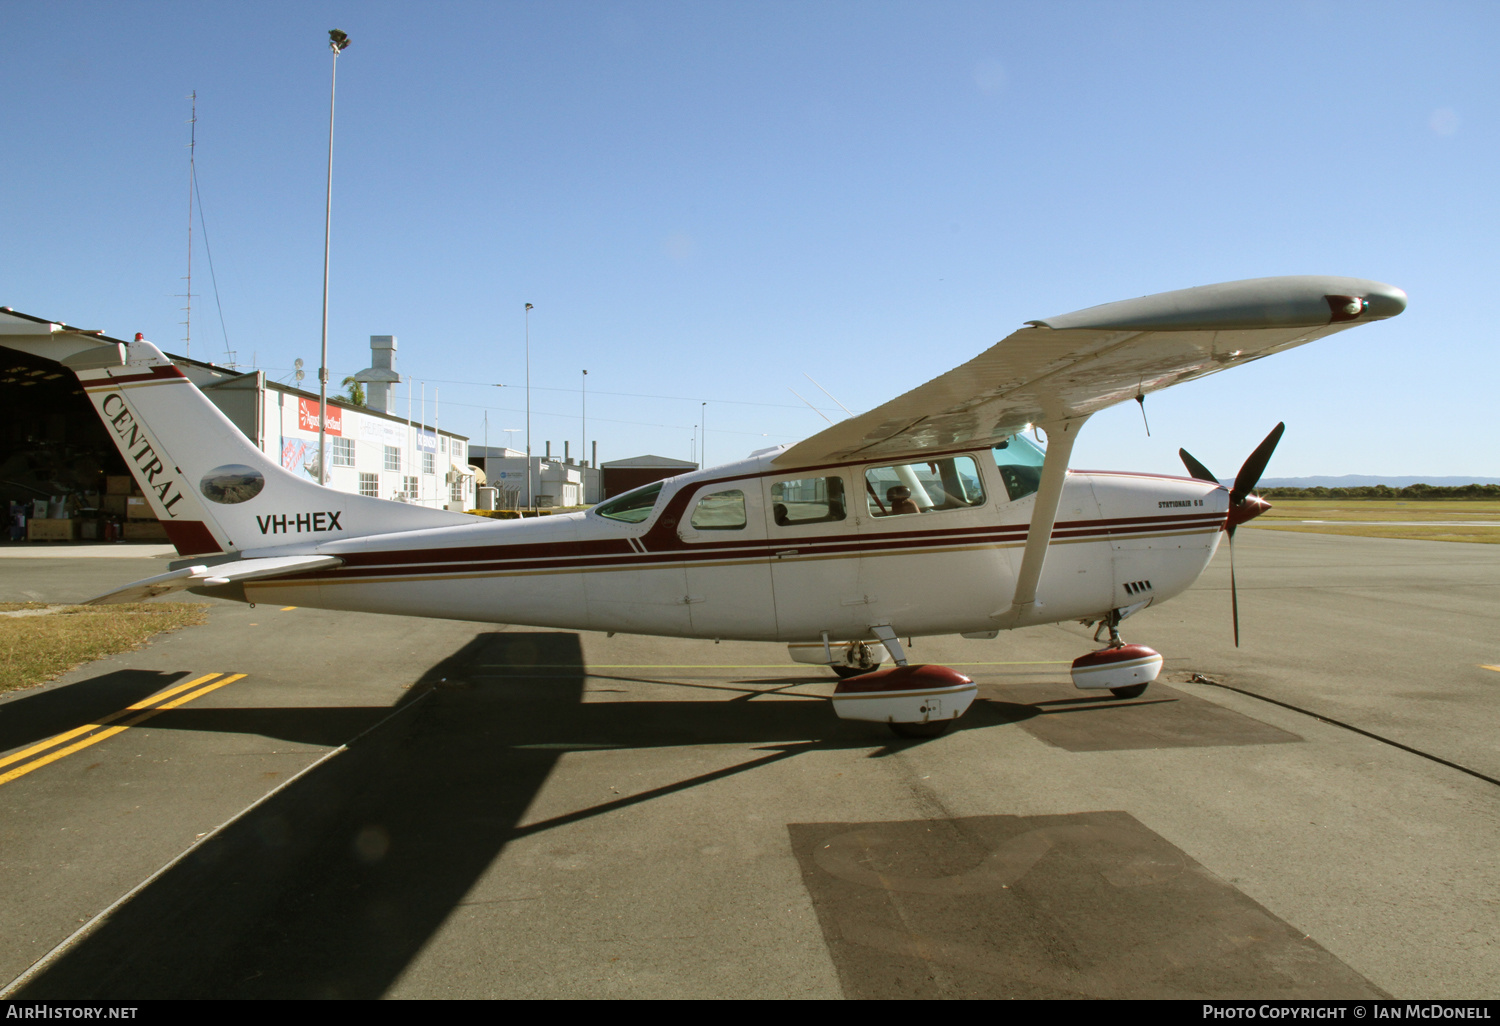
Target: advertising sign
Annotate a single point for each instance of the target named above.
(382, 432)
(298, 455)
(307, 417)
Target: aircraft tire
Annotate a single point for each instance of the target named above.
(1133, 691)
(846, 672)
(932, 728)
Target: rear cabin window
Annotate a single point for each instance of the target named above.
(721, 511)
(907, 488)
(808, 500)
(633, 507)
(1020, 465)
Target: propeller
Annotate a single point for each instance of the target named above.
(1243, 505)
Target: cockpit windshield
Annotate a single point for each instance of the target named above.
(1020, 462)
(633, 507)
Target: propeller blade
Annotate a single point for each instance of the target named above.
(1249, 475)
(1234, 594)
(1195, 468)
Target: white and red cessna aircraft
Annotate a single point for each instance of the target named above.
(932, 514)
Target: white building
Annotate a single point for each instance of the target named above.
(553, 482)
(371, 451)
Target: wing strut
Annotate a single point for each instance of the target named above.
(1060, 438)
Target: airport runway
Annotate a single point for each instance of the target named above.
(387, 806)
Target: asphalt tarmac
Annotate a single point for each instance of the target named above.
(399, 807)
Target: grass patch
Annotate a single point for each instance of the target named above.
(51, 640)
(1450, 520)
(1382, 509)
(1422, 532)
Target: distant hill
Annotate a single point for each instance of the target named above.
(1367, 481)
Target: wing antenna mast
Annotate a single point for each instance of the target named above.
(829, 394)
(810, 406)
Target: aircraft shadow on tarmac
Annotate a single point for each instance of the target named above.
(43, 714)
(332, 886)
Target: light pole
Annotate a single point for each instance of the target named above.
(583, 443)
(337, 42)
(703, 446)
(530, 496)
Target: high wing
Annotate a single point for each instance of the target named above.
(1062, 369)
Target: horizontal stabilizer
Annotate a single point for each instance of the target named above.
(224, 573)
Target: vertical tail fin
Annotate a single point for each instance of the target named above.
(209, 485)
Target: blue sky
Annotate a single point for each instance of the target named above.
(713, 201)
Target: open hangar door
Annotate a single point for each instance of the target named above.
(54, 450)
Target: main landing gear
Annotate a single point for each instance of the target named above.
(858, 658)
(1124, 669)
(914, 701)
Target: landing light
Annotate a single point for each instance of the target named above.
(1346, 308)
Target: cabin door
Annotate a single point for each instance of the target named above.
(814, 549)
(728, 570)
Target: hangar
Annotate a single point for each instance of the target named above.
(61, 477)
(621, 476)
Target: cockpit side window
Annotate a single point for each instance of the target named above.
(720, 511)
(948, 483)
(633, 507)
(1020, 465)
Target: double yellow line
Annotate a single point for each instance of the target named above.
(144, 710)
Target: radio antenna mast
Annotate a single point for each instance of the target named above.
(187, 323)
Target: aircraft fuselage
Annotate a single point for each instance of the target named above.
(1121, 540)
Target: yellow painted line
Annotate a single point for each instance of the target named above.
(21, 771)
(287, 609)
(1488, 667)
(142, 704)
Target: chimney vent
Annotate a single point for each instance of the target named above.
(381, 374)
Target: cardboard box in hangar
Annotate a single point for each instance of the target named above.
(51, 530)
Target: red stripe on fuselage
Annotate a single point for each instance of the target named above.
(616, 554)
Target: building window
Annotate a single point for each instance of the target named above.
(412, 490)
(428, 463)
(369, 484)
(392, 458)
(341, 452)
(458, 450)
(442, 443)
(457, 491)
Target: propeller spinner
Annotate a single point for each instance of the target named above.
(1243, 506)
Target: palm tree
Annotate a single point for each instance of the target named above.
(355, 390)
